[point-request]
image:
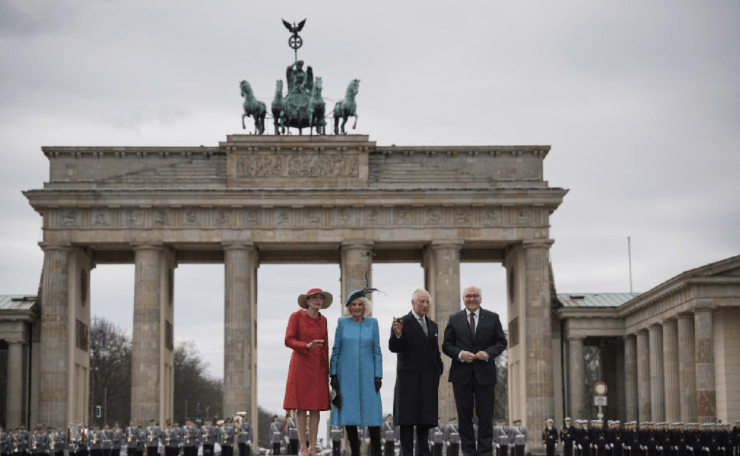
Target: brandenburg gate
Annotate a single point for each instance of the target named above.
(284, 199)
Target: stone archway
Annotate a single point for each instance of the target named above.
(261, 199)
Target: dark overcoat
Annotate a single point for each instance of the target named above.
(418, 368)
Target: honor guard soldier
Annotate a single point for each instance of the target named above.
(567, 435)
(37, 442)
(616, 439)
(152, 438)
(118, 440)
(502, 438)
(550, 438)
(106, 441)
(336, 434)
(210, 434)
(631, 438)
(190, 439)
(693, 439)
(736, 438)
(584, 439)
(169, 437)
(95, 441)
(437, 439)
(276, 434)
(388, 435)
(452, 437)
(132, 437)
(599, 437)
(226, 437)
(520, 437)
(83, 448)
(4, 442)
(245, 434)
(292, 435)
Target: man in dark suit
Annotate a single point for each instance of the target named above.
(473, 339)
(414, 339)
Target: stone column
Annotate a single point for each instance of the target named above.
(357, 262)
(55, 335)
(239, 391)
(643, 376)
(657, 397)
(442, 268)
(687, 368)
(705, 387)
(630, 377)
(540, 395)
(145, 348)
(576, 379)
(14, 392)
(670, 371)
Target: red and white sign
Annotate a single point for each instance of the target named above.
(600, 389)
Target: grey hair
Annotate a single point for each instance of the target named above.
(415, 294)
(480, 293)
(365, 302)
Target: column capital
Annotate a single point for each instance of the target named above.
(537, 243)
(60, 246)
(640, 331)
(351, 245)
(629, 336)
(249, 245)
(685, 316)
(451, 244)
(669, 320)
(704, 305)
(146, 246)
(575, 338)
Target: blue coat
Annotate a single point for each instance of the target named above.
(356, 360)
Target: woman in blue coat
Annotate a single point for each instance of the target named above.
(356, 370)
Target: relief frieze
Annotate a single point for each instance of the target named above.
(300, 217)
(297, 166)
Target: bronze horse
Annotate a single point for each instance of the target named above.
(253, 107)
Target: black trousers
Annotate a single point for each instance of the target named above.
(550, 450)
(407, 439)
(454, 449)
(336, 448)
(207, 450)
(474, 396)
(227, 450)
(293, 444)
(276, 448)
(244, 449)
(390, 447)
(354, 440)
(152, 450)
(568, 448)
(519, 450)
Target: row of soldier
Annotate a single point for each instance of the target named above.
(507, 440)
(78, 440)
(649, 439)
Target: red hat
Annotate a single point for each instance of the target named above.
(328, 298)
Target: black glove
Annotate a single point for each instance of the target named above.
(378, 383)
(334, 382)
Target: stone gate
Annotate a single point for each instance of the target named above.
(279, 199)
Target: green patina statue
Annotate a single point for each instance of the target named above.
(303, 105)
(347, 107)
(253, 107)
(317, 109)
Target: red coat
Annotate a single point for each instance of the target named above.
(308, 375)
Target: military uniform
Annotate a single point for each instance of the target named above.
(452, 439)
(520, 438)
(118, 440)
(276, 435)
(567, 436)
(584, 439)
(388, 435)
(336, 434)
(245, 437)
(4, 442)
(436, 439)
(38, 443)
(95, 441)
(153, 437)
(107, 441)
(550, 438)
(191, 438)
(292, 436)
(226, 438)
(616, 439)
(132, 438)
(502, 439)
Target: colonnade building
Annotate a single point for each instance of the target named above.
(669, 354)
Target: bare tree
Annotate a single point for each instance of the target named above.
(501, 402)
(197, 396)
(110, 373)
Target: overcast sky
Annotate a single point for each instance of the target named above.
(640, 102)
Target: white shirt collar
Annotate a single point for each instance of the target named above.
(477, 313)
(417, 316)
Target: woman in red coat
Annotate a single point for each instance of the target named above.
(307, 389)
